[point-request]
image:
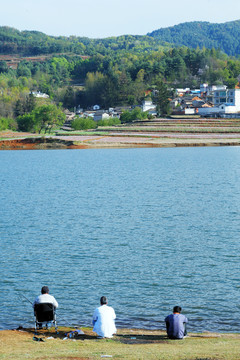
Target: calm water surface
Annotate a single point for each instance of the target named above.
(149, 228)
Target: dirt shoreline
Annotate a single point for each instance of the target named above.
(94, 142)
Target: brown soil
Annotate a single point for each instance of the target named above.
(37, 144)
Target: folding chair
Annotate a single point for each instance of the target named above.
(45, 312)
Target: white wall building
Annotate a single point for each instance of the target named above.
(209, 111)
(230, 97)
(226, 101)
(101, 115)
(148, 105)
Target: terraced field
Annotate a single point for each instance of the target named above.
(155, 133)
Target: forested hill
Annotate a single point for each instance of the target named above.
(13, 41)
(225, 36)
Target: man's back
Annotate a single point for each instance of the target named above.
(103, 319)
(175, 325)
(46, 298)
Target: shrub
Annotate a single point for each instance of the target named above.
(109, 122)
(25, 122)
(83, 124)
(135, 114)
(6, 123)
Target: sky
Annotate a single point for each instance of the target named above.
(106, 18)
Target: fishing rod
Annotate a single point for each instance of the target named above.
(26, 298)
(58, 315)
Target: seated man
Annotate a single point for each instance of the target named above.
(176, 324)
(45, 298)
(103, 319)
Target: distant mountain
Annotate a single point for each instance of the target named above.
(13, 41)
(225, 36)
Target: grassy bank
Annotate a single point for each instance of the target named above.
(127, 344)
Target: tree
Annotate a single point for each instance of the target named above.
(3, 67)
(47, 117)
(30, 103)
(26, 122)
(69, 98)
(19, 108)
(162, 99)
(83, 124)
(135, 114)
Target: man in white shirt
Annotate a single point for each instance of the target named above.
(45, 298)
(103, 319)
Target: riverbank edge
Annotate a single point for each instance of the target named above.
(120, 331)
(43, 143)
(129, 344)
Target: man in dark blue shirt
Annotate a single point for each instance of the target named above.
(176, 324)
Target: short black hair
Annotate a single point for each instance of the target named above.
(103, 300)
(177, 309)
(45, 290)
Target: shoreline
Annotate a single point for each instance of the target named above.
(127, 344)
(111, 142)
(122, 330)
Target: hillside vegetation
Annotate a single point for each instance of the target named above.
(28, 43)
(110, 72)
(201, 34)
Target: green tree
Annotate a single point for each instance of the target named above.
(19, 108)
(30, 103)
(135, 114)
(162, 99)
(3, 67)
(26, 122)
(47, 117)
(69, 98)
(83, 123)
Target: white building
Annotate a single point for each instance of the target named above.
(203, 88)
(148, 105)
(230, 97)
(100, 115)
(38, 94)
(226, 101)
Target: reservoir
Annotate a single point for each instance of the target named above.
(149, 228)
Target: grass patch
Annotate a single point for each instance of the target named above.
(129, 344)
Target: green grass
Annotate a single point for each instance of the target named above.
(129, 344)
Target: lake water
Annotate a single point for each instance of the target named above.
(148, 228)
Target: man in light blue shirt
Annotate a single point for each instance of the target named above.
(176, 324)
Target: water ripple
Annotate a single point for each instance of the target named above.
(150, 228)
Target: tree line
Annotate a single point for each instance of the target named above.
(203, 34)
(115, 79)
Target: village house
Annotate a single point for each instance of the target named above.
(100, 115)
(197, 102)
(38, 94)
(182, 92)
(69, 118)
(225, 102)
(147, 105)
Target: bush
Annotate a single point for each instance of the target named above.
(109, 122)
(25, 122)
(83, 124)
(6, 123)
(135, 114)
(3, 123)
